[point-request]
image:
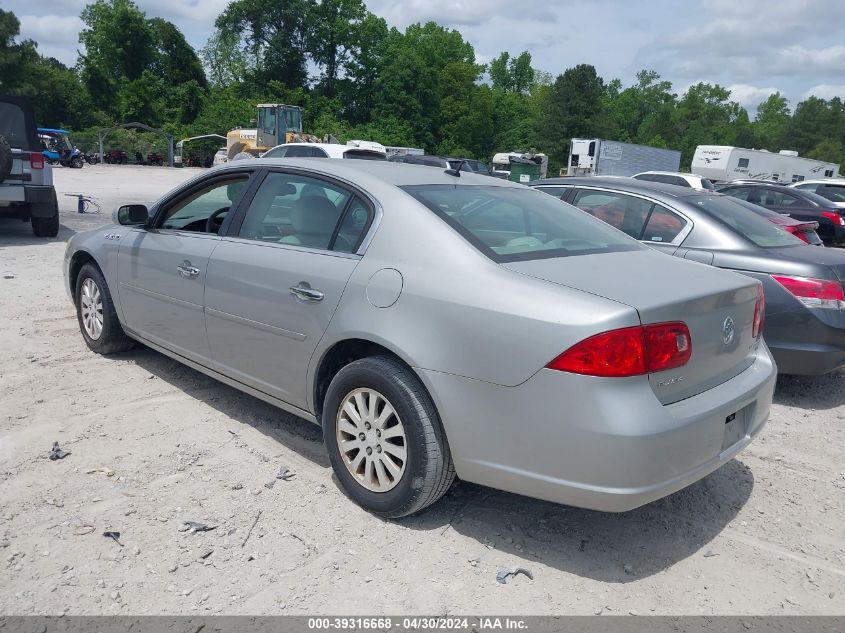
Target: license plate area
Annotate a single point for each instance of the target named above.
(736, 428)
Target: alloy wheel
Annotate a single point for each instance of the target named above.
(91, 308)
(371, 439)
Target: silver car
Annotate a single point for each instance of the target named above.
(436, 324)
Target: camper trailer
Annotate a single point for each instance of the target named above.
(724, 163)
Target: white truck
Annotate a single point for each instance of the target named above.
(725, 162)
(599, 157)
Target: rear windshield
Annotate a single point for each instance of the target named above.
(13, 125)
(364, 154)
(742, 220)
(514, 224)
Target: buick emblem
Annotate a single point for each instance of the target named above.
(728, 330)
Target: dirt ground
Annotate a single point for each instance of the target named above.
(154, 444)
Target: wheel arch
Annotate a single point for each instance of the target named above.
(77, 261)
(343, 352)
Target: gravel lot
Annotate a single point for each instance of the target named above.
(154, 443)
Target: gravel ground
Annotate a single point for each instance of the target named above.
(154, 444)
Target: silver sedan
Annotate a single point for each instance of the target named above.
(437, 324)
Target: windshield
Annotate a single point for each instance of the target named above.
(514, 224)
(742, 220)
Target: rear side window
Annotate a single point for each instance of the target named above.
(681, 182)
(515, 224)
(13, 125)
(836, 193)
(557, 192)
(707, 184)
(754, 228)
(781, 200)
(663, 225)
(626, 213)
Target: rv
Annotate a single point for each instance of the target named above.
(598, 157)
(723, 163)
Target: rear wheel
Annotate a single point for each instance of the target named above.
(384, 438)
(76, 162)
(96, 314)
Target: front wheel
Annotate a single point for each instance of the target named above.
(384, 438)
(96, 313)
(76, 162)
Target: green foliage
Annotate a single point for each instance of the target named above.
(419, 87)
(829, 150)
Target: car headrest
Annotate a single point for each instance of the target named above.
(314, 215)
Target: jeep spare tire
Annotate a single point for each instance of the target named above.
(5, 158)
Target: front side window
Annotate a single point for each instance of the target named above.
(302, 211)
(205, 208)
(754, 228)
(626, 213)
(513, 224)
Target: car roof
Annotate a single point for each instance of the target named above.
(633, 185)
(361, 171)
(818, 181)
(669, 173)
(53, 130)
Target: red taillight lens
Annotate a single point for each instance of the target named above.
(668, 346)
(629, 351)
(814, 293)
(36, 160)
(759, 312)
(834, 217)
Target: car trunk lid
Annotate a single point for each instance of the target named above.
(717, 307)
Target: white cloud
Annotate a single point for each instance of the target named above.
(460, 12)
(826, 91)
(749, 97)
(57, 36)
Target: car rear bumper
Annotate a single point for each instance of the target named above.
(807, 342)
(600, 443)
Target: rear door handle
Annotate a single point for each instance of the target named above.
(186, 270)
(303, 290)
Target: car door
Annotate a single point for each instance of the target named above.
(162, 268)
(275, 281)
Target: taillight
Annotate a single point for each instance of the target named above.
(834, 217)
(631, 351)
(814, 293)
(795, 229)
(36, 160)
(759, 313)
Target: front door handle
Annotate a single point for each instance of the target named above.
(303, 290)
(186, 270)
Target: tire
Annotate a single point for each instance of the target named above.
(5, 158)
(111, 338)
(427, 471)
(46, 227)
(76, 162)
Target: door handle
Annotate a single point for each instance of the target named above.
(186, 270)
(303, 290)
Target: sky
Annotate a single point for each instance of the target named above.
(752, 47)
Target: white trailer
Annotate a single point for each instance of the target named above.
(724, 163)
(599, 157)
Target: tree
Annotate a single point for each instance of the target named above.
(366, 57)
(512, 74)
(573, 108)
(225, 59)
(771, 122)
(276, 35)
(828, 150)
(333, 36)
(176, 62)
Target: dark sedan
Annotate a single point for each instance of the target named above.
(798, 204)
(803, 285)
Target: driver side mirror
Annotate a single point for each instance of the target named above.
(132, 215)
